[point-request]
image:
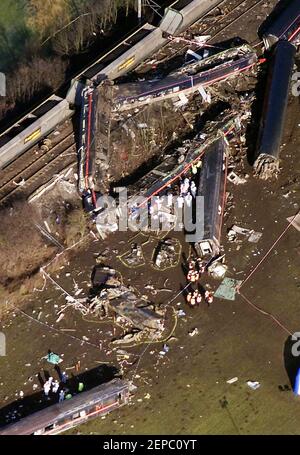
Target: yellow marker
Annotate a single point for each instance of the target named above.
(32, 136)
(127, 63)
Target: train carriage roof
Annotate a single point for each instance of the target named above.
(41, 419)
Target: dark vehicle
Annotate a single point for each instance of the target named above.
(286, 26)
(68, 414)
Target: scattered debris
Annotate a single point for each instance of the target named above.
(167, 254)
(266, 167)
(234, 231)
(135, 257)
(194, 332)
(217, 270)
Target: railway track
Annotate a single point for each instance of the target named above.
(40, 170)
(215, 30)
(33, 169)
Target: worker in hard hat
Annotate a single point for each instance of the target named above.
(198, 298)
(193, 301)
(193, 276)
(201, 266)
(208, 297)
(189, 298)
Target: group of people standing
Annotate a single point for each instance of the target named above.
(187, 192)
(194, 296)
(58, 388)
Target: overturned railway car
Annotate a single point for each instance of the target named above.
(61, 417)
(212, 187)
(186, 80)
(274, 110)
(86, 152)
(286, 26)
(32, 128)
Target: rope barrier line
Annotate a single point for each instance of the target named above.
(58, 285)
(197, 43)
(268, 252)
(265, 313)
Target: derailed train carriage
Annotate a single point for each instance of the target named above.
(68, 414)
(139, 45)
(212, 187)
(274, 110)
(187, 79)
(285, 26)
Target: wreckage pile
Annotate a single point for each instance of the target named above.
(133, 313)
(266, 167)
(167, 254)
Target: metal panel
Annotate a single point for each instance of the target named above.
(171, 21)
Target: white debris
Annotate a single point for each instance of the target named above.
(61, 316)
(194, 332)
(232, 380)
(253, 384)
(183, 100)
(252, 235)
(205, 95)
(180, 313)
(217, 270)
(194, 54)
(201, 38)
(235, 179)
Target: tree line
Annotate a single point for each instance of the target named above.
(55, 31)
